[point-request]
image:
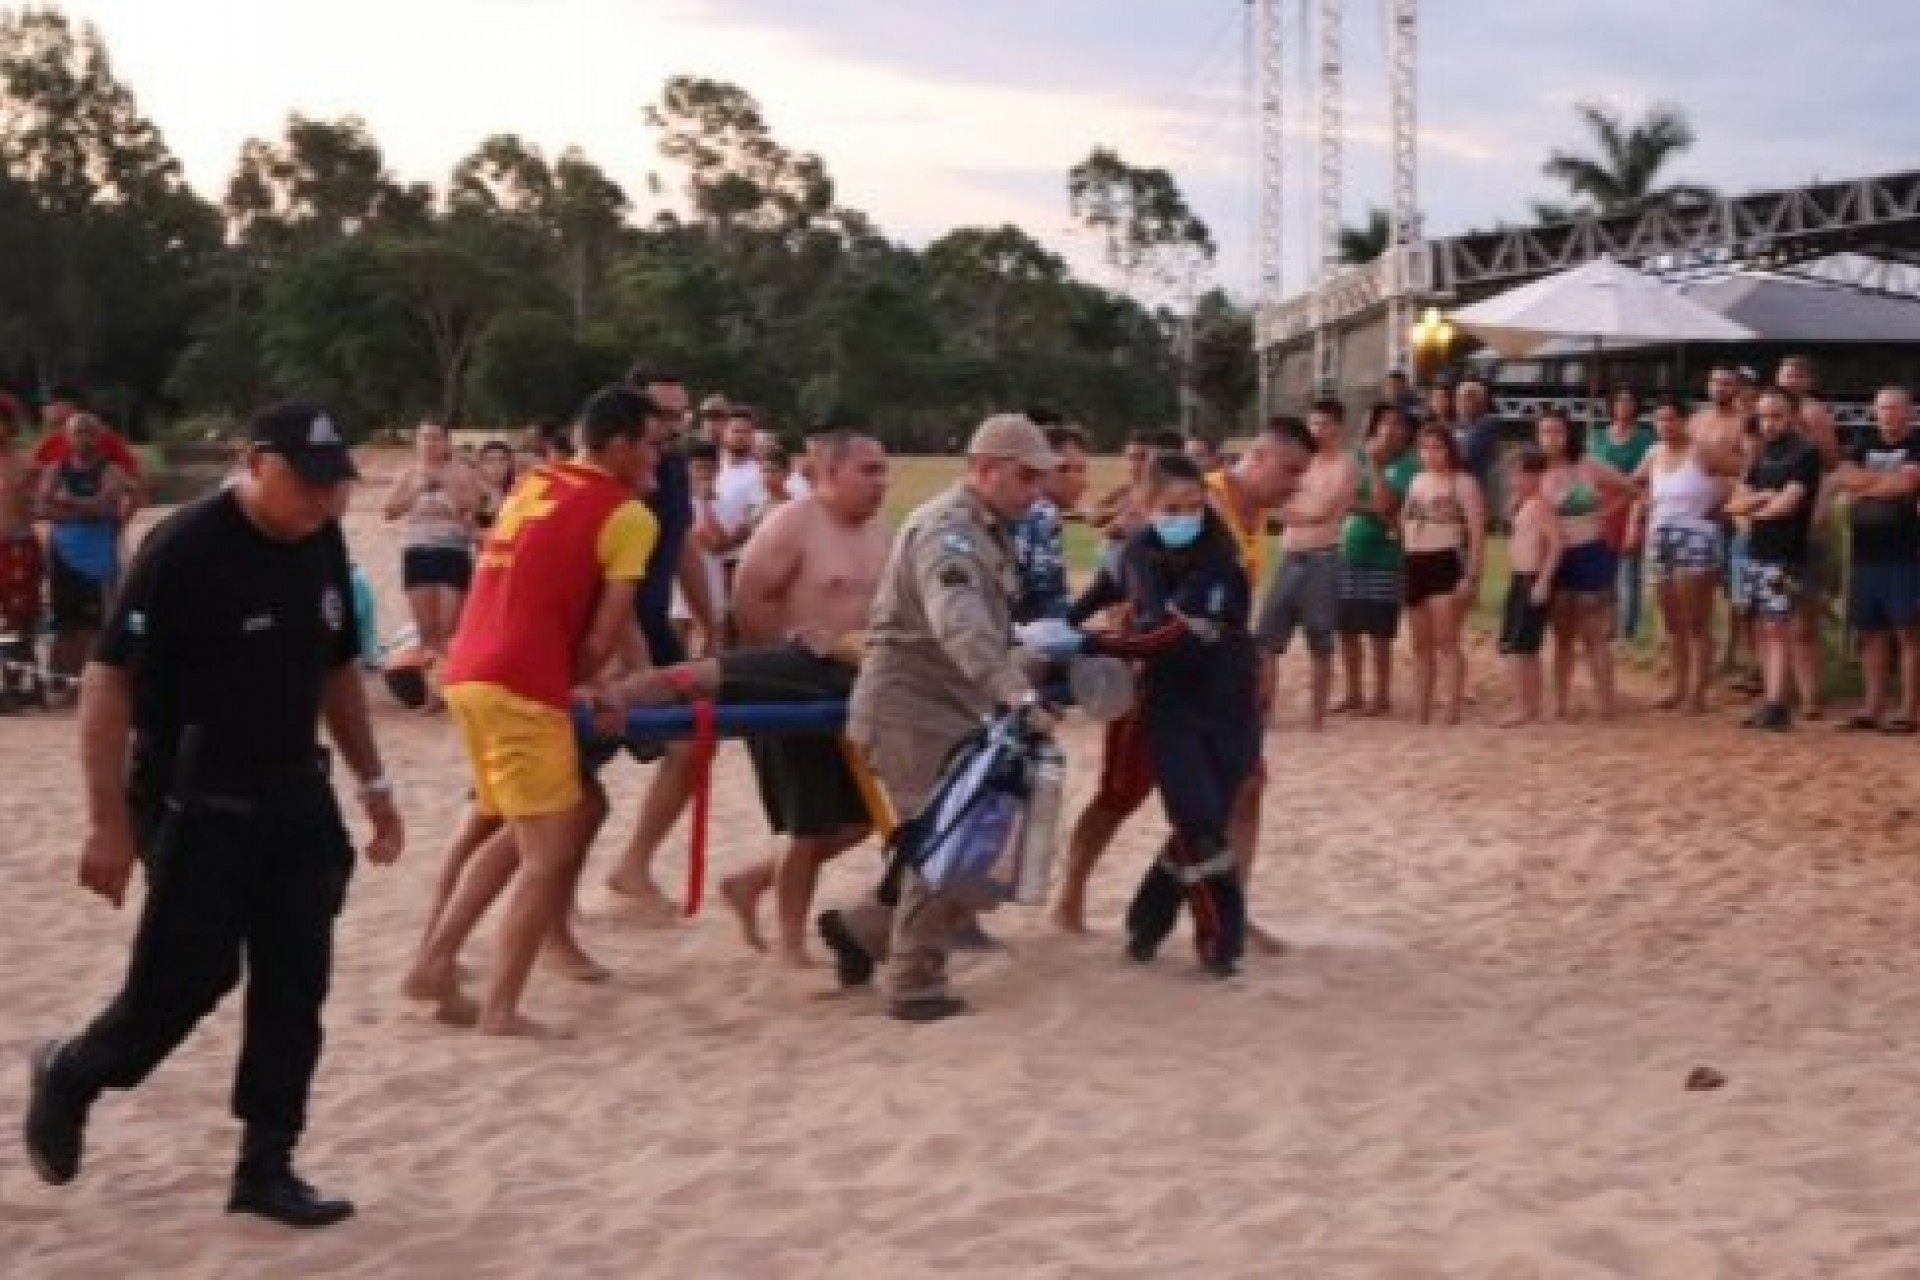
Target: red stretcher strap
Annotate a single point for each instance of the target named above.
(704, 736)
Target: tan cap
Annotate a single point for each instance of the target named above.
(1010, 435)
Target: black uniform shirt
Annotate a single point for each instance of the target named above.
(221, 626)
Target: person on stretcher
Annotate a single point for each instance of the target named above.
(802, 595)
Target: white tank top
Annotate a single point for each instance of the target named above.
(1682, 497)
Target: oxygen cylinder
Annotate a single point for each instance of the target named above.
(1039, 834)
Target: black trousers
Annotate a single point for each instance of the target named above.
(1200, 762)
(257, 883)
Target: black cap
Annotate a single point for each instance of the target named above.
(308, 438)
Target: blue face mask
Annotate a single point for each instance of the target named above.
(1179, 531)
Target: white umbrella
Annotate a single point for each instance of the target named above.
(1598, 302)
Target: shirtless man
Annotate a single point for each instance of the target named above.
(1795, 376)
(1305, 594)
(802, 595)
(1720, 438)
(22, 567)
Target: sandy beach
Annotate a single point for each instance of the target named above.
(1511, 950)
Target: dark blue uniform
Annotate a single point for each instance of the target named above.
(672, 505)
(1187, 615)
(227, 638)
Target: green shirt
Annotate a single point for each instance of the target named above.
(1624, 458)
(1366, 540)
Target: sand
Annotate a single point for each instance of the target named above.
(1511, 949)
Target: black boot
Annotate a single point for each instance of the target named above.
(56, 1124)
(851, 963)
(1155, 907)
(265, 1184)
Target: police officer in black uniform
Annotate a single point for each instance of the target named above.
(233, 637)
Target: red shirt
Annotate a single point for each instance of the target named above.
(54, 448)
(565, 530)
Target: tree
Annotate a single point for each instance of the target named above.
(103, 238)
(737, 173)
(333, 325)
(1142, 218)
(1364, 243)
(572, 207)
(323, 181)
(979, 274)
(1626, 169)
(1223, 372)
(529, 366)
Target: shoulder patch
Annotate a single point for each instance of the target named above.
(956, 542)
(955, 575)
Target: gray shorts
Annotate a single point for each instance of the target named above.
(1305, 596)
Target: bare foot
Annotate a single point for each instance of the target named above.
(1515, 721)
(644, 905)
(1263, 942)
(457, 1009)
(1070, 917)
(570, 960)
(1669, 703)
(1316, 726)
(429, 982)
(521, 1027)
(1344, 707)
(745, 904)
(795, 958)
(1697, 706)
(1378, 709)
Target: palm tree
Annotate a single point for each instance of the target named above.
(1629, 162)
(1368, 241)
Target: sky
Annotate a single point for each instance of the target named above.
(946, 113)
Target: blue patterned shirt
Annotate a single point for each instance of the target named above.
(1040, 560)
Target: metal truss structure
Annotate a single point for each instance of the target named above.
(1863, 233)
(1333, 294)
(1403, 35)
(1269, 86)
(1329, 148)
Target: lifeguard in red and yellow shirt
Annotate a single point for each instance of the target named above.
(551, 606)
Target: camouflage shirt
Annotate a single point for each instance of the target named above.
(1040, 560)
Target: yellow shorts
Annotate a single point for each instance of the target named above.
(524, 758)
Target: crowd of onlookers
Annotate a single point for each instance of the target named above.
(1750, 515)
(68, 493)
